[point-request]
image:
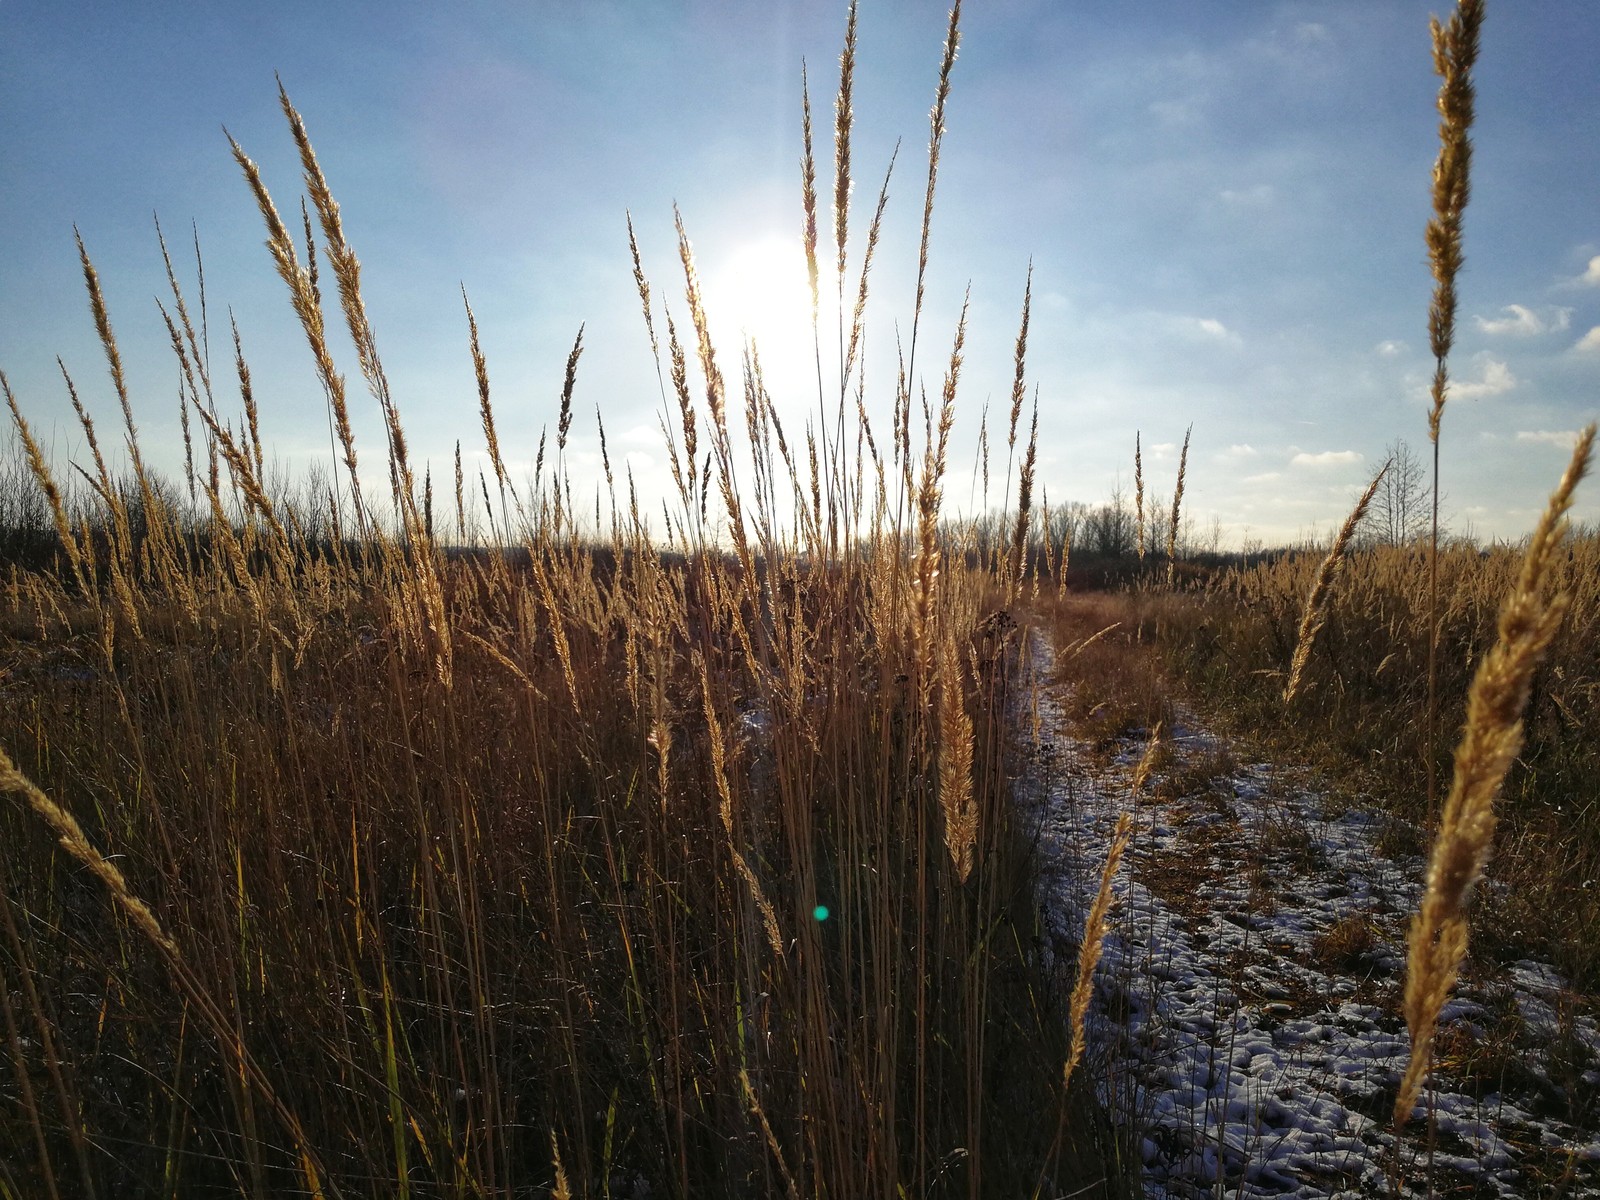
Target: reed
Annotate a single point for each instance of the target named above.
(71, 838)
(1455, 51)
(1490, 742)
(1177, 508)
(1019, 386)
(542, 858)
(1138, 492)
(673, 854)
(1094, 935)
(941, 96)
(1316, 600)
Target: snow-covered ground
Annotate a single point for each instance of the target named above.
(1246, 1030)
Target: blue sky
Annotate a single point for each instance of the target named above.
(1223, 204)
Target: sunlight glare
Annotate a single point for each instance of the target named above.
(760, 290)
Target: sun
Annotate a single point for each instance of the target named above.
(760, 290)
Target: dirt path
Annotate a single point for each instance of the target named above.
(1246, 1029)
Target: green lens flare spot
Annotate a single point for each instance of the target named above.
(820, 912)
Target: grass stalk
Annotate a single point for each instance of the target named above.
(1490, 742)
(1455, 51)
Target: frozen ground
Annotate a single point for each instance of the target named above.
(1246, 1030)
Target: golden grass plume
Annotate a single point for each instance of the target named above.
(1316, 610)
(1489, 744)
(1177, 508)
(1094, 936)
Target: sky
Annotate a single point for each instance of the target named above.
(1223, 205)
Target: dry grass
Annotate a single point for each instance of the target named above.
(1493, 736)
(551, 858)
(1234, 645)
(1094, 935)
(1117, 686)
(1317, 599)
(602, 858)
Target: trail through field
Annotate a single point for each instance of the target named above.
(1246, 1029)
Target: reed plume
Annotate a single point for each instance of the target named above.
(1094, 936)
(643, 286)
(930, 495)
(808, 202)
(1316, 614)
(108, 341)
(766, 1132)
(858, 315)
(247, 394)
(568, 382)
(1018, 393)
(843, 118)
(563, 1188)
(47, 484)
(952, 41)
(1138, 492)
(1019, 536)
(73, 840)
(1455, 50)
(955, 763)
(461, 507)
(1437, 944)
(201, 366)
(1177, 508)
(306, 300)
(480, 372)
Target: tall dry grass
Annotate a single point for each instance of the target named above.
(345, 858)
(1235, 643)
(1455, 51)
(597, 859)
(1490, 741)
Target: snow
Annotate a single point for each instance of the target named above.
(1246, 1030)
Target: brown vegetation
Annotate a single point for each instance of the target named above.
(594, 860)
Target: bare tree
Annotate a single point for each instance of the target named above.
(1110, 529)
(27, 529)
(1067, 523)
(1399, 513)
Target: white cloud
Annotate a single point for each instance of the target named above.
(1589, 343)
(1303, 47)
(1264, 477)
(1587, 278)
(1240, 450)
(1204, 330)
(1328, 458)
(1260, 196)
(1565, 439)
(1162, 449)
(1525, 322)
(1497, 379)
(1176, 112)
(1391, 348)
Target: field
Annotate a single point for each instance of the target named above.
(403, 845)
